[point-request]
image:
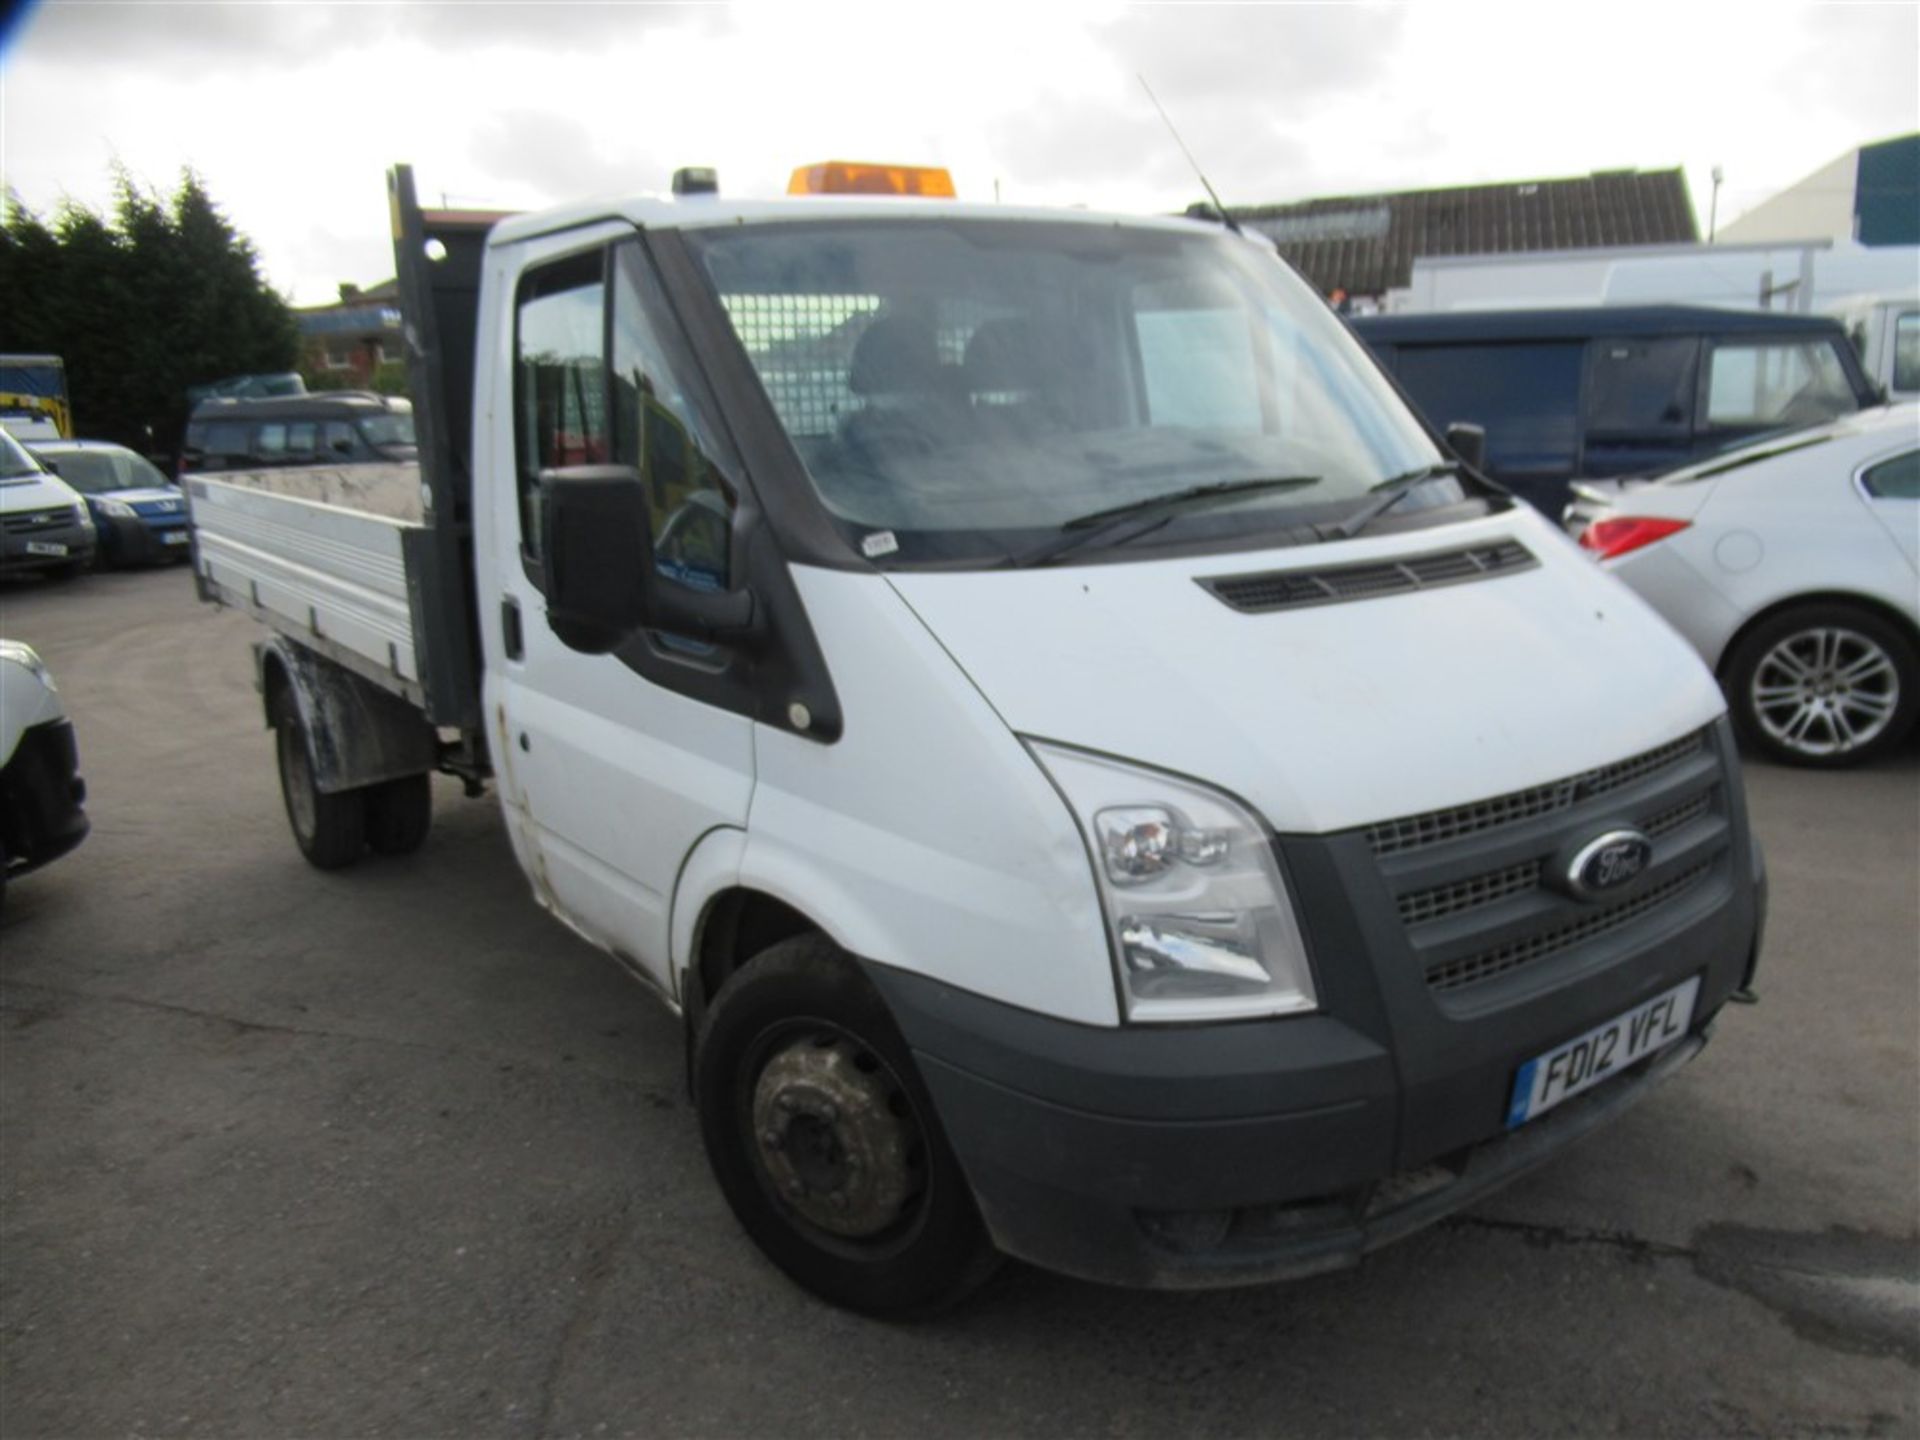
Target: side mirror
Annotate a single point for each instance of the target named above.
(1469, 442)
(595, 541)
(598, 569)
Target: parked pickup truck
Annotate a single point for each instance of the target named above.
(1099, 783)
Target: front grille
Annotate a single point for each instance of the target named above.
(1477, 887)
(1420, 906)
(1415, 832)
(1470, 894)
(1668, 821)
(1500, 960)
(34, 521)
(1293, 589)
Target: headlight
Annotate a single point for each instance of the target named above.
(1202, 925)
(119, 509)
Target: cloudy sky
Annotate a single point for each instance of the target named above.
(292, 111)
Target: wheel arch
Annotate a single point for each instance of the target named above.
(356, 733)
(735, 925)
(273, 680)
(1872, 604)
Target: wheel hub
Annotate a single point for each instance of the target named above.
(1823, 691)
(832, 1130)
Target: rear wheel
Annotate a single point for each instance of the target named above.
(330, 829)
(824, 1138)
(399, 814)
(1824, 685)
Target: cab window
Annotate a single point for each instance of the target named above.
(560, 378)
(667, 427)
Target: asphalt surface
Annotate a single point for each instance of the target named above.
(389, 1152)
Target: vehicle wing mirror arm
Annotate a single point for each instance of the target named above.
(726, 615)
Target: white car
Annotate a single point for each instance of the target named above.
(1790, 564)
(42, 796)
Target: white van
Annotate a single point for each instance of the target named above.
(1099, 781)
(44, 524)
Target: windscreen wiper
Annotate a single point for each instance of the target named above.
(1389, 493)
(1158, 509)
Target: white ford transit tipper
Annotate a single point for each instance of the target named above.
(1100, 782)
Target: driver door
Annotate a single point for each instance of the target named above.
(616, 769)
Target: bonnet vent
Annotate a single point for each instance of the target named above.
(1294, 589)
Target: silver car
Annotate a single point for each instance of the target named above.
(1793, 566)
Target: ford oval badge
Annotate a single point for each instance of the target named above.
(1609, 862)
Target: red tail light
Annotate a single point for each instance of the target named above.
(1610, 538)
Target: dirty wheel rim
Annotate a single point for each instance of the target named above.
(836, 1137)
(1825, 691)
(296, 781)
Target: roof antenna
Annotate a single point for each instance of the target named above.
(1218, 209)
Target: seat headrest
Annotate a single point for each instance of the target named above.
(1002, 355)
(895, 355)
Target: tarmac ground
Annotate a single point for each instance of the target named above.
(389, 1152)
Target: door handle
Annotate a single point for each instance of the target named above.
(510, 636)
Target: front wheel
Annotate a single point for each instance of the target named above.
(824, 1139)
(1824, 685)
(329, 828)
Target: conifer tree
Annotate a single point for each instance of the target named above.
(162, 294)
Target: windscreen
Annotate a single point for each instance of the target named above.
(964, 387)
(97, 472)
(15, 463)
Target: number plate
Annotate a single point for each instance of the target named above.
(45, 547)
(173, 537)
(1605, 1050)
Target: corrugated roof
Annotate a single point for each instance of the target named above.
(1366, 244)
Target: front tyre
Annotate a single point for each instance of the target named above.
(1824, 685)
(824, 1138)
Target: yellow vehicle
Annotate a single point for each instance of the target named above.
(33, 397)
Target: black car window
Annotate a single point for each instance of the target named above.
(1526, 395)
(337, 440)
(1895, 479)
(1642, 387)
(218, 445)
